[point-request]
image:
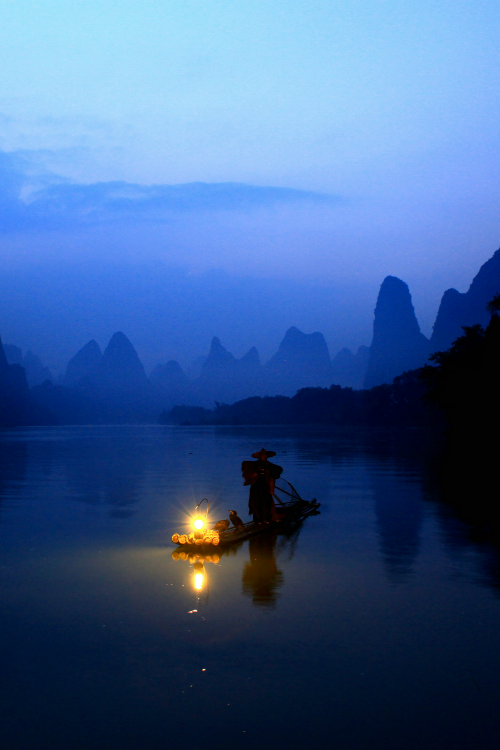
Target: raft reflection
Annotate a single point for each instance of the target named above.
(194, 557)
(261, 576)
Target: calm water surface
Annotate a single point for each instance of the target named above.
(374, 625)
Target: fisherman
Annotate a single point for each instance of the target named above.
(261, 476)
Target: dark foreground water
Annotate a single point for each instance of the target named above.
(374, 625)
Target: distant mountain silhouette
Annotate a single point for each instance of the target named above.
(36, 372)
(83, 364)
(467, 309)
(251, 359)
(170, 376)
(301, 360)
(111, 387)
(120, 369)
(348, 369)
(14, 354)
(219, 361)
(218, 380)
(194, 369)
(250, 368)
(225, 378)
(397, 345)
(17, 407)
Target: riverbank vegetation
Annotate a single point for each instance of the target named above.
(399, 403)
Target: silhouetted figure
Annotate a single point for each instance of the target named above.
(261, 475)
(235, 520)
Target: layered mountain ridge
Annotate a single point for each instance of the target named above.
(112, 385)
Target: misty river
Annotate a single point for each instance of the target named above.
(374, 624)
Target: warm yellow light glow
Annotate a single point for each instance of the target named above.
(198, 523)
(198, 581)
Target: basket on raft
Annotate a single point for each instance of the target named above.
(198, 538)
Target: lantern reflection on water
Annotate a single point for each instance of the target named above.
(192, 557)
(199, 576)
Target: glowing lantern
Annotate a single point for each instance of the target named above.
(199, 521)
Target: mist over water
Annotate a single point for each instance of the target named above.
(169, 313)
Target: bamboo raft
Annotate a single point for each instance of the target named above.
(294, 508)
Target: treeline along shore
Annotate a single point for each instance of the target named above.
(399, 404)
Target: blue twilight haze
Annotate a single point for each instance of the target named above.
(321, 145)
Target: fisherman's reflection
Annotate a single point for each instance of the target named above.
(261, 576)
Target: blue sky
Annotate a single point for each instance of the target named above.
(303, 94)
(392, 108)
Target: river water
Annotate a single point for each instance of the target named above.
(374, 625)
